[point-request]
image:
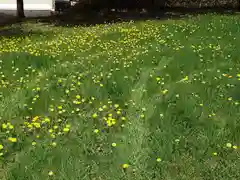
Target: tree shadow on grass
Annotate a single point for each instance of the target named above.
(87, 15)
(83, 17)
(18, 30)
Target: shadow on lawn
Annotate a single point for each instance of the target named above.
(19, 31)
(86, 16)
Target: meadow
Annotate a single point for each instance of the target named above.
(145, 100)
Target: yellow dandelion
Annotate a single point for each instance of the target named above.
(66, 129)
(229, 145)
(125, 166)
(35, 118)
(123, 118)
(114, 144)
(235, 147)
(11, 139)
(47, 120)
(78, 96)
(34, 143)
(214, 153)
(96, 131)
(158, 78)
(50, 173)
(158, 159)
(116, 105)
(142, 115)
(94, 115)
(1, 146)
(165, 91)
(4, 126)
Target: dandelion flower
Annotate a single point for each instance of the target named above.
(96, 131)
(235, 147)
(94, 115)
(50, 173)
(165, 91)
(4, 126)
(11, 139)
(114, 144)
(66, 129)
(34, 143)
(125, 166)
(229, 145)
(214, 153)
(1, 146)
(159, 159)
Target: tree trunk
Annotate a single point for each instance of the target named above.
(20, 9)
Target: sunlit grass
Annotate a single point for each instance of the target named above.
(133, 100)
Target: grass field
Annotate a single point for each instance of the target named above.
(140, 100)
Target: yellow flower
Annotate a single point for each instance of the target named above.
(214, 153)
(229, 145)
(123, 118)
(125, 166)
(59, 107)
(94, 115)
(200, 104)
(65, 129)
(235, 147)
(142, 115)
(4, 126)
(35, 118)
(114, 144)
(78, 96)
(165, 91)
(54, 144)
(37, 125)
(116, 105)
(158, 78)
(185, 78)
(34, 143)
(11, 139)
(47, 120)
(96, 131)
(50, 173)
(1, 146)
(159, 159)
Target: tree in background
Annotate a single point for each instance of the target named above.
(20, 9)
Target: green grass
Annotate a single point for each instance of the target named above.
(158, 89)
